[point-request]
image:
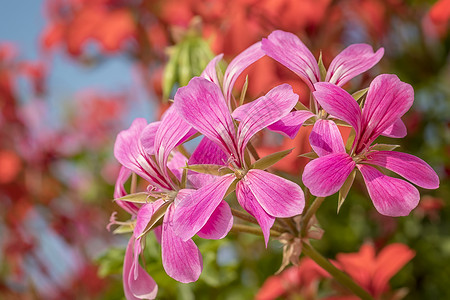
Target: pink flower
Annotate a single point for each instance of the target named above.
(388, 99)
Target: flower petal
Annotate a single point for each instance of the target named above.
(144, 287)
(210, 72)
(202, 105)
(278, 196)
(352, 61)
(338, 103)
(287, 49)
(249, 202)
(147, 137)
(194, 210)
(268, 109)
(238, 65)
(325, 138)
(388, 99)
(409, 166)
(119, 191)
(396, 130)
(219, 224)
(181, 259)
(291, 123)
(325, 175)
(391, 196)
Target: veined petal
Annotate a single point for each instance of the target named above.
(181, 259)
(147, 137)
(172, 131)
(241, 111)
(219, 224)
(268, 109)
(119, 191)
(287, 49)
(194, 210)
(143, 287)
(291, 123)
(388, 99)
(278, 196)
(325, 138)
(325, 175)
(202, 105)
(249, 202)
(352, 61)
(210, 72)
(391, 196)
(176, 163)
(207, 152)
(409, 166)
(338, 103)
(144, 215)
(238, 65)
(396, 130)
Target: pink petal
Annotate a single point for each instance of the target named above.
(238, 65)
(287, 49)
(396, 130)
(127, 148)
(352, 61)
(242, 111)
(388, 99)
(194, 211)
(409, 166)
(144, 287)
(391, 196)
(202, 105)
(144, 215)
(119, 191)
(268, 109)
(278, 196)
(291, 123)
(219, 224)
(249, 202)
(210, 72)
(181, 259)
(176, 163)
(325, 175)
(147, 137)
(172, 131)
(325, 138)
(338, 103)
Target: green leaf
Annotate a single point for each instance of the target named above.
(244, 91)
(351, 138)
(170, 71)
(300, 106)
(184, 64)
(231, 188)
(341, 123)
(142, 197)
(384, 147)
(124, 228)
(270, 160)
(217, 170)
(357, 95)
(110, 262)
(310, 155)
(343, 192)
(156, 217)
(322, 69)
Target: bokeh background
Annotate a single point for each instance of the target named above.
(73, 73)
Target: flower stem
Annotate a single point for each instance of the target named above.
(309, 214)
(246, 217)
(252, 230)
(337, 274)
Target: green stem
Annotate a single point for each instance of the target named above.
(337, 274)
(309, 214)
(246, 217)
(252, 230)
(253, 151)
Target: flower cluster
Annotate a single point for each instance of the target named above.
(187, 192)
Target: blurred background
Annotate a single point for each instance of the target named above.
(73, 73)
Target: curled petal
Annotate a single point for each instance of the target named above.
(325, 138)
(391, 196)
(249, 202)
(352, 61)
(396, 130)
(338, 103)
(409, 166)
(287, 49)
(181, 259)
(143, 287)
(219, 224)
(325, 175)
(119, 191)
(238, 65)
(210, 72)
(202, 105)
(266, 110)
(291, 123)
(194, 210)
(147, 137)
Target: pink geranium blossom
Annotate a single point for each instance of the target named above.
(388, 99)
